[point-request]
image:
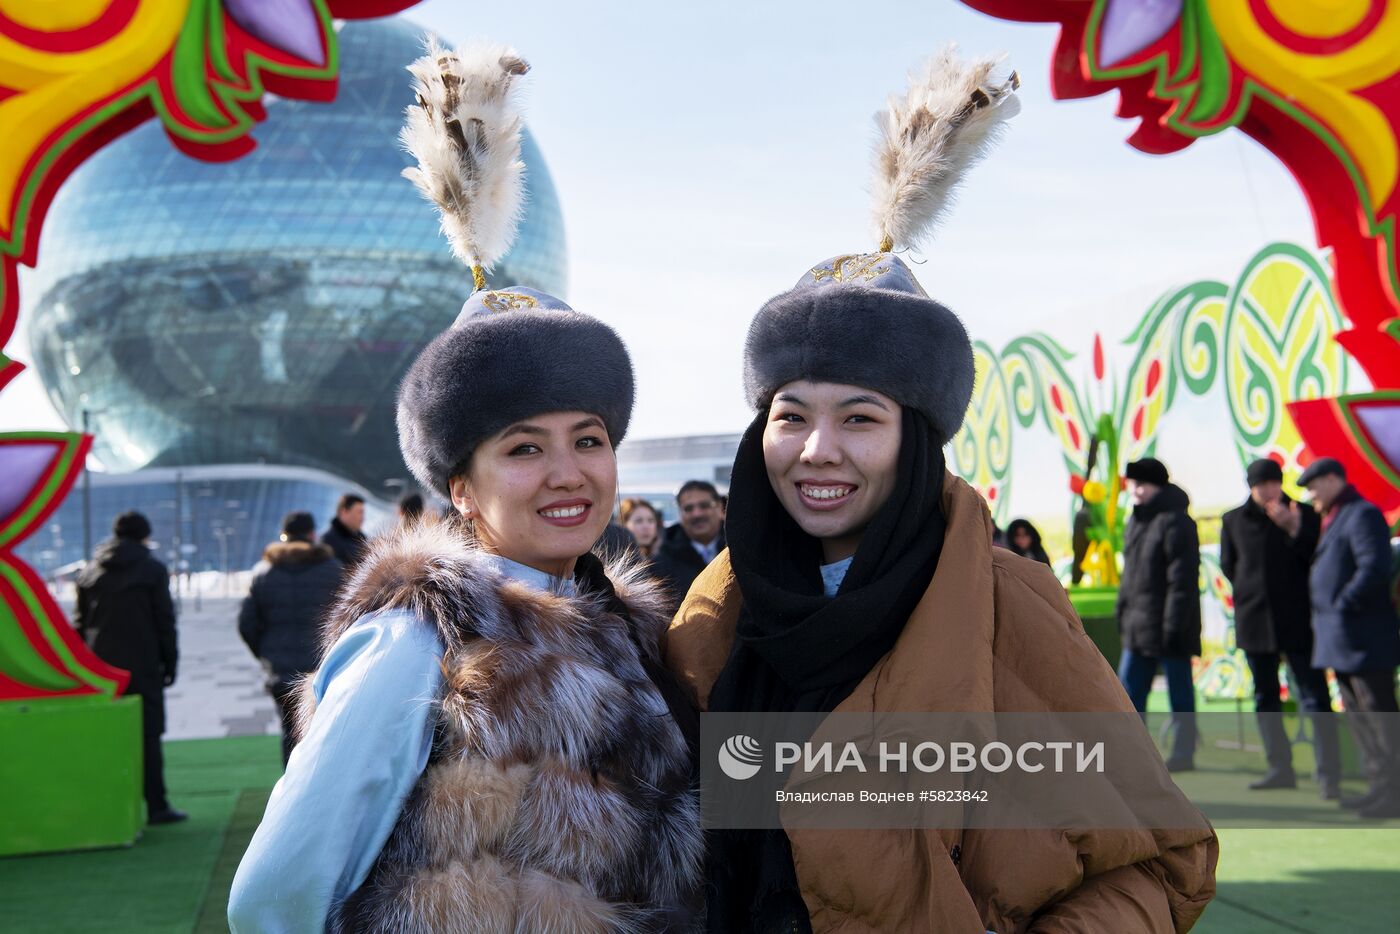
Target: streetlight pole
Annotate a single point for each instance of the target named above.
(87, 499)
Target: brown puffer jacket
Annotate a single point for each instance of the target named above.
(994, 632)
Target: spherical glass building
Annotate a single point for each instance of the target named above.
(264, 310)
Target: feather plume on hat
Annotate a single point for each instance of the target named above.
(951, 113)
(464, 131)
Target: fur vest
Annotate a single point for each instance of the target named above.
(558, 795)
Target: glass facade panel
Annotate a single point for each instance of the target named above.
(264, 310)
(202, 518)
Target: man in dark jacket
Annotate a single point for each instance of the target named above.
(692, 543)
(280, 618)
(1356, 632)
(127, 617)
(345, 538)
(1266, 547)
(1159, 602)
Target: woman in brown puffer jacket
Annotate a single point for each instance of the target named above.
(860, 577)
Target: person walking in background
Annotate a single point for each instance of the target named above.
(1266, 547)
(280, 618)
(410, 508)
(1024, 539)
(694, 541)
(345, 536)
(1159, 602)
(1355, 629)
(641, 519)
(126, 616)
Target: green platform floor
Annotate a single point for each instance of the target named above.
(175, 880)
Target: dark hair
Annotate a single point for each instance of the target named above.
(348, 501)
(1035, 550)
(1017, 525)
(630, 506)
(411, 505)
(703, 486)
(298, 525)
(132, 525)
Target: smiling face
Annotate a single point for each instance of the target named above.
(541, 491)
(832, 453)
(702, 515)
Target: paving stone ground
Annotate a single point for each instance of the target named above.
(219, 691)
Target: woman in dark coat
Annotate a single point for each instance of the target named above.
(1023, 539)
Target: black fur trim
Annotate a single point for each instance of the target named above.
(487, 373)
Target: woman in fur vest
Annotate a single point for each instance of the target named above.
(860, 577)
(490, 742)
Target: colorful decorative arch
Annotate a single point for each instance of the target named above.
(1318, 85)
(1263, 339)
(74, 76)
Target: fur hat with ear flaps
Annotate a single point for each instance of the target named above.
(512, 353)
(863, 319)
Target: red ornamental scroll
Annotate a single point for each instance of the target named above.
(1318, 85)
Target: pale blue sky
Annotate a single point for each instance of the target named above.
(705, 155)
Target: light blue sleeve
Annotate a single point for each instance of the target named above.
(333, 809)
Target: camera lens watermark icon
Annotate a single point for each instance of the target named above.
(740, 757)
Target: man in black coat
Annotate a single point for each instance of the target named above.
(692, 543)
(1355, 629)
(1159, 601)
(279, 620)
(346, 538)
(126, 616)
(1266, 548)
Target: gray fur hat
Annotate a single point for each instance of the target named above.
(510, 355)
(864, 320)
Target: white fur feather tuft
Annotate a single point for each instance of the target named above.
(946, 121)
(464, 131)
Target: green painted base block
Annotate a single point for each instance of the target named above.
(71, 774)
(1096, 607)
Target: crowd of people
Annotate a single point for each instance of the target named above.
(1310, 592)
(498, 729)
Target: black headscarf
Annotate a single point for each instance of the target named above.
(797, 650)
(1035, 551)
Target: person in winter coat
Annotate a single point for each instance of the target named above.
(1356, 632)
(126, 616)
(1266, 547)
(279, 620)
(491, 742)
(690, 544)
(1023, 539)
(860, 577)
(345, 537)
(1159, 601)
